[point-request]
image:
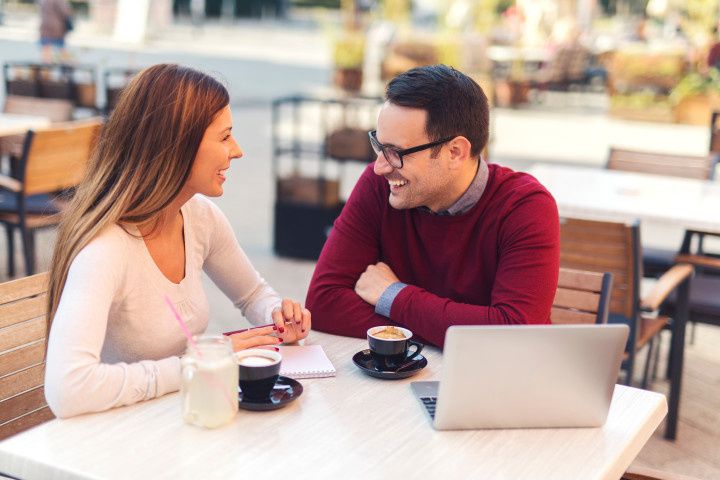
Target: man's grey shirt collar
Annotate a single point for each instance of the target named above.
(471, 196)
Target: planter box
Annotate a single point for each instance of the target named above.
(696, 109)
(511, 93)
(349, 79)
(660, 113)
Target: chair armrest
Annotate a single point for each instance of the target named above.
(642, 473)
(699, 260)
(665, 285)
(10, 183)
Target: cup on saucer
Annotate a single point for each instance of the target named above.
(258, 370)
(390, 346)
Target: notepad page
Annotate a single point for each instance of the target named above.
(305, 361)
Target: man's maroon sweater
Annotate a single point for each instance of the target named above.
(496, 264)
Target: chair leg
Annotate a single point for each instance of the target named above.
(28, 237)
(668, 368)
(656, 360)
(10, 232)
(630, 366)
(693, 324)
(646, 371)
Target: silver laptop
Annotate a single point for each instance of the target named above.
(525, 376)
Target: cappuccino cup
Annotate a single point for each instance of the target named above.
(390, 346)
(258, 371)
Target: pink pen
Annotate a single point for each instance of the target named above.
(252, 328)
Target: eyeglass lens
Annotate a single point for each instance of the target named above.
(391, 155)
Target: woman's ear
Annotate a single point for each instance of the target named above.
(459, 148)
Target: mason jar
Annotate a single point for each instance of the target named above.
(209, 388)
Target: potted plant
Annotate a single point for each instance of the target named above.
(348, 57)
(696, 96)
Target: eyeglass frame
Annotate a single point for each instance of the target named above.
(372, 134)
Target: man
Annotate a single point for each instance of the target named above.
(433, 236)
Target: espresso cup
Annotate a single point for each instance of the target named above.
(390, 353)
(258, 370)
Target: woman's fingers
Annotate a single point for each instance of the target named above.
(254, 332)
(279, 320)
(261, 340)
(297, 314)
(287, 309)
(306, 320)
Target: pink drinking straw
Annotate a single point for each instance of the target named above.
(183, 326)
(186, 331)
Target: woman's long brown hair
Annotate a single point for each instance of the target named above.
(141, 162)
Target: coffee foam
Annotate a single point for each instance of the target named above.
(256, 361)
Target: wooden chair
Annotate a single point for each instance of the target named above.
(23, 330)
(53, 160)
(685, 166)
(581, 297)
(657, 260)
(615, 248)
(642, 473)
(55, 110)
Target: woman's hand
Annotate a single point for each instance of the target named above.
(292, 321)
(255, 337)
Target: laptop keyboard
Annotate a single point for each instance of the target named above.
(429, 403)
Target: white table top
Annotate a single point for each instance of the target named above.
(349, 426)
(508, 53)
(597, 194)
(14, 124)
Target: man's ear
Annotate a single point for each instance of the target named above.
(459, 148)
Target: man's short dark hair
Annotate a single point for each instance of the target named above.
(455, 104)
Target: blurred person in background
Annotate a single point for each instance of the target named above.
(55, 23)
(713, 57)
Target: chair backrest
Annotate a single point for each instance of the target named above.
(54, 109)
(581, 297)
(23, 329)
(606, 247)
(686, 166)
(55, 158)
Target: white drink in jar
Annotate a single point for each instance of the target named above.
(209, 389)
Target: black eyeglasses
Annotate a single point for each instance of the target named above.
(394, 156)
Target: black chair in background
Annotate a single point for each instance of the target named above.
(76, 83)
(115, 80)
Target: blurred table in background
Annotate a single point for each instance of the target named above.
(618, 196)
(13, 124)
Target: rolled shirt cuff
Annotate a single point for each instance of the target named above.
(387, 298)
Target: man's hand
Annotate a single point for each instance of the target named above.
(373, 282)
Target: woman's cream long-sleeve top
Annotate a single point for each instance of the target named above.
(114, 341)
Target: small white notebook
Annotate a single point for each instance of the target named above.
(305, 361)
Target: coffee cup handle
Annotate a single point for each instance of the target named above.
(418, 348)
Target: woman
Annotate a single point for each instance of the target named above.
(140, 228)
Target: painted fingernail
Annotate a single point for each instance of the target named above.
(276, 349)
(282, 329)
(274, 327)
(280, 339)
